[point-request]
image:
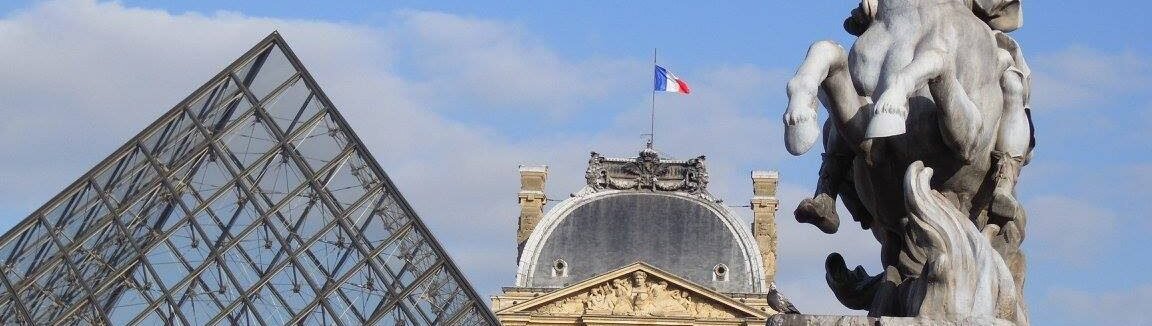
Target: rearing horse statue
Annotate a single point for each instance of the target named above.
(936, 81)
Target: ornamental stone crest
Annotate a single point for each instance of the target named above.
(637, 294)
(647, 171)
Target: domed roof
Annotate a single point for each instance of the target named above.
(643, 210)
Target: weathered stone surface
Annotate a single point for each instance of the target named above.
(818, 320)
(764, 205)
(675, 233)
(532, 199)
(927, 83)
(637, 294)
(651, 209)
(963, 276)
(647, 171)
(911, 321)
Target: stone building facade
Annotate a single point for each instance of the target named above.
(643, 243)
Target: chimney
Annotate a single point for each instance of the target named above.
(532, 200)
(764, 205)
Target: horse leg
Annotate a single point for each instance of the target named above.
(824, 70)
(853, 202)
(820, 210)
(1013, 146)
(961, 118)
(890, 113)
(1012, 143)
(1015, 134)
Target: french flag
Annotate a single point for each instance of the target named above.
(667, 82)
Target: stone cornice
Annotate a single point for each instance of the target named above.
(593, 296)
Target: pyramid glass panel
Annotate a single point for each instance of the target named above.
(251, 202)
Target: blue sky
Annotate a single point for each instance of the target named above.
(452, 96)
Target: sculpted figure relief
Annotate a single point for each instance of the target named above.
(647, 171)
(636, 295)
(642, 295)
(931, 81)
(598, 301)
(622, 291)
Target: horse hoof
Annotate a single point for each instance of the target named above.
(819, 211)
(799, 138)
(885, 125)
(1004, 205)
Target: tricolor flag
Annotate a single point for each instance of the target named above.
(667, 82)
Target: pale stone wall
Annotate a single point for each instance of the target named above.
(532, 200)
(638, 294)
(764, 205)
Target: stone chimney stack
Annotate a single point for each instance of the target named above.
(764, 205)
(532, 200)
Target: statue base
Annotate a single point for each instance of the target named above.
(823, 320)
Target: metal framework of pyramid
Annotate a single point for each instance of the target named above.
(250, 202)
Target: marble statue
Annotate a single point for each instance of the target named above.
(936, 83)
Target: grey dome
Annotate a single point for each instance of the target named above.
(683, 234)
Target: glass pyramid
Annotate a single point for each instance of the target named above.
(250, 202)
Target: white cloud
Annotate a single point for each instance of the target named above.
(81, 77)
(1083, 78)
(500, 64)
(87, 76)
(1118, 307)
(1070, 231)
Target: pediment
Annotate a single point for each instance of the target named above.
(639, 290)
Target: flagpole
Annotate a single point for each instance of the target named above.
(652, 116)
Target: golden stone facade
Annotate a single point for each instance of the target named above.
(638, 294)
(532, 199)
(764, 205)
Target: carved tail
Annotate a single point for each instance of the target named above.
(963, 276)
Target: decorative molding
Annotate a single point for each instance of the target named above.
(637, 290)
(647, 171)
(636, 294)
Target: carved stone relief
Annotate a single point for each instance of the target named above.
(637, 294)
(647, 171)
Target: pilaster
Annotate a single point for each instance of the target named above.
(764, 205)
(532, 199)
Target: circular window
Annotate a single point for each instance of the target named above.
(559, 268)
(720, 273)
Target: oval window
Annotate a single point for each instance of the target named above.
(720, 273)
(559, 268)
